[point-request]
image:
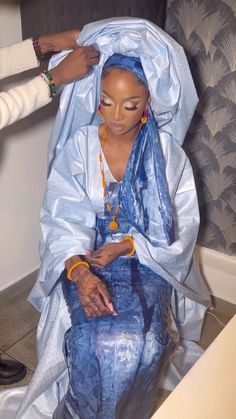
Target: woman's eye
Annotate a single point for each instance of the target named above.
(131, 108)
(104, 103)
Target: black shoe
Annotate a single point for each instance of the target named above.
(11, 371)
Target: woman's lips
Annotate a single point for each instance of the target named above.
(117, 127)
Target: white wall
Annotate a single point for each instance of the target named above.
(23, 166)
(219, 271)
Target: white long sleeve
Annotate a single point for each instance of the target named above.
(17, 58)
(24, 99)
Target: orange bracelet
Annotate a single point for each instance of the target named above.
(132, 252)
(70, 270)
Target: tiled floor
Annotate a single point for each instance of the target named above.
(18, 322)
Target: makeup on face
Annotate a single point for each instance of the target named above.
(123, 100)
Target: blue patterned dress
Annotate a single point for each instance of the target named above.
(115, 362)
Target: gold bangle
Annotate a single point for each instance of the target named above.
(70, 270)
(132, 252)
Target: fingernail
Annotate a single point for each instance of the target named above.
(115, 313)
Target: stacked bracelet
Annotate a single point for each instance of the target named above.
(70, 270)
(129, 238)
(47, 76)
(37, 48)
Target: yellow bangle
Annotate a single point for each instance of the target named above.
(80, 262)
(132, 252)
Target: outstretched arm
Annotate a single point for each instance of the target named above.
(27, 54)
(22, 100)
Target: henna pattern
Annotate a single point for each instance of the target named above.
(93, 295)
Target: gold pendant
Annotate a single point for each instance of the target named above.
(113, 225)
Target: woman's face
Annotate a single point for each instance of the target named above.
(123, 100)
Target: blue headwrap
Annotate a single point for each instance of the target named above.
(144, 196)
(132, 64)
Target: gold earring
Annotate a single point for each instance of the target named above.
(144, 117)
(100, 110)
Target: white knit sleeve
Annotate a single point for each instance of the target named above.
(22, 100)
(17, 58)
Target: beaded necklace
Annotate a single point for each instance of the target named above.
(114, 225)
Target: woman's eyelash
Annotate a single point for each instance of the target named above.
(105, 103)
(128, 108)
(133, 108)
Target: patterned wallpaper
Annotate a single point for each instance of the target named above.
(207, 31)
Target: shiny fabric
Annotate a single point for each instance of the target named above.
(115, 362)
(144, 177)
(132, 64)
(145, 182)
(173, 95)
(75, 182)
(173, 101)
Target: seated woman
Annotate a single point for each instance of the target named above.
(120, 221)
(118, 342)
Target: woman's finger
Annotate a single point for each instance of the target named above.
(106, 298)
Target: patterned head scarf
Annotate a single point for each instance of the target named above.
(132, 64)
(144, 196)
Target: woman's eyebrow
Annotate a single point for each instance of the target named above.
(126, 98)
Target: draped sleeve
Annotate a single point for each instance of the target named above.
(68, 217)
(174, 262)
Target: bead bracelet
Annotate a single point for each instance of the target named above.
(47, 76)
(37, 48)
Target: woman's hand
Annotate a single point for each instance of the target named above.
(59, 41)
(75, 65)
(94, 295)
(108, 253)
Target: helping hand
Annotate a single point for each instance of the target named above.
(75, 65)
(59, 41)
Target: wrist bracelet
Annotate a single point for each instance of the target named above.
(129, 238)
(70, 270)
(37, 48)
(47, 76)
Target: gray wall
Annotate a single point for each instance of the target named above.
(207, 31)
(48, 16)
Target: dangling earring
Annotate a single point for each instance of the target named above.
(144, 117)
(100, 110)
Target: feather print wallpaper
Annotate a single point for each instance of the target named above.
(207, 31)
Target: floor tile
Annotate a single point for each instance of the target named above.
(161, 397)
(17, 319)
(224, 306)
(25, 351)
(24, 381)
(212, 326)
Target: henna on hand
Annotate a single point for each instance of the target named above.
(94, 295)
(107, 254)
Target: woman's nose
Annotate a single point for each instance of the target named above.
(118, 113)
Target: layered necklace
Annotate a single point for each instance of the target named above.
(114, 225)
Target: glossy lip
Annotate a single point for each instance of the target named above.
(117, 127)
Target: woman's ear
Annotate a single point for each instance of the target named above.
(148, 102)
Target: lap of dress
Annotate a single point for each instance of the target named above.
(115, 362)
